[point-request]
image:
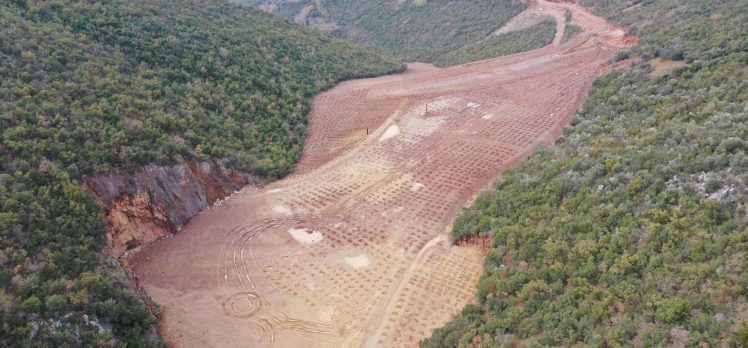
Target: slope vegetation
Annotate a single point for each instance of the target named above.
(99, 86)
(522, 40)
(411, 30)
(633, 230)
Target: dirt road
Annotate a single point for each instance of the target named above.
(351, 250)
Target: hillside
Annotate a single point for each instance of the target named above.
(632, 231)
(412, 30)
(97, 87)
(527, 39)
(352, 249)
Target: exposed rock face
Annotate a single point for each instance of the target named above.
(157, 201)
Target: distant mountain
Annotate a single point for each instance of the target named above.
(420, 30)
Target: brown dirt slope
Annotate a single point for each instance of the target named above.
(352, 249)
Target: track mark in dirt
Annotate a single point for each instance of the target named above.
(350, 250)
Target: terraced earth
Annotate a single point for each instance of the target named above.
(352, 249)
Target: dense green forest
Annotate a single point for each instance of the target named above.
(536, 36)
(412, 30)
(90, 87)
(632, 231)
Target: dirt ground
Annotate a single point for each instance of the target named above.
(352, 249)
(662, 67)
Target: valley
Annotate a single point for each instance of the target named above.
(352, 249)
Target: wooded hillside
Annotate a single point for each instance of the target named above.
(633, 230)
(412, 30)
(92, 87)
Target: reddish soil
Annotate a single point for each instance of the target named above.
(352, 249)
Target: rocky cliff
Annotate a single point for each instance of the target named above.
(157, 201)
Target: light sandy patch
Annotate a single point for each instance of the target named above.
(417, 186)
(487, 116)
(275, 190)
(280, 209)
(327, 314)
(306, 236)
(432, 107)
(414, 129)
(390, 132)
(358, 261)
(524, 20)
(664, 66)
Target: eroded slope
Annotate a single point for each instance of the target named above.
(351, 250)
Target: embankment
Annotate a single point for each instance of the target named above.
(157, 201)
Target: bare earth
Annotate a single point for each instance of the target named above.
(352, 249)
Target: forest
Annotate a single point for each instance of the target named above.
(411, 30)
(633, 229)
(534, 37)
(92, 87)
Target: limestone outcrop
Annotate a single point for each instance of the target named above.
(157, 201)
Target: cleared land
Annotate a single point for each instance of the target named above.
(352, 249)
